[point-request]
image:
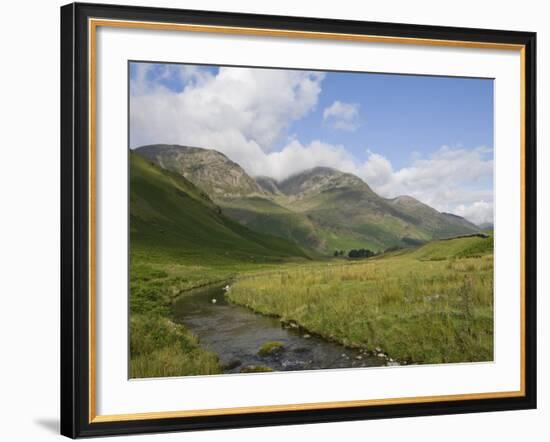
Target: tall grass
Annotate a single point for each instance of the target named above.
(424, 311)
(158, 346)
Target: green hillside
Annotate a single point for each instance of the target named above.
(321, 208)
(170, 215)
(328, 210)
(349, 217)
(468, 247)
(264, 215)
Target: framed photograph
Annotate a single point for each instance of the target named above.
(274, 220)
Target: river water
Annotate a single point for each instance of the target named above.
(236, 334)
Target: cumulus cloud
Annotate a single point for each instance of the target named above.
(343, 116)
(295, 157)
(237, 108)
(478, 212)
(455, 180)
(378, 172)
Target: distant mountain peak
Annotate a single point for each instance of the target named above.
(322, 169)
(451, 214)
(319, 179)
(207, 168)
(405, 199)
(151, 149)
(317, 170)
(268, 184)
(486, 226)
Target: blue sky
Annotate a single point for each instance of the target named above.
(403, 115)
(429, 137)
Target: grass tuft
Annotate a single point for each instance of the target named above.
(270, 347)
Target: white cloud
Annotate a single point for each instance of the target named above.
(478, 212)
(377, 171)
(455, 180)
(343, 116)
(236, 109)
(296, 157)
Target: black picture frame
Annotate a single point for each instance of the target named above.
(75, 219)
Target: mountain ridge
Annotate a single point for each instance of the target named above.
(213, 170)
(168, 211)
(320, 208)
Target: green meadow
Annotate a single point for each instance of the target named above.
(429, 305)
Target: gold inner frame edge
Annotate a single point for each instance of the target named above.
(93, 24)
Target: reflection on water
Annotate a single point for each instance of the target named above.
(236, 334)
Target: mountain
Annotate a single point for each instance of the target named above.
(241, 197)
(321, 208)
(486, 226)
(268, 185)
(322, 179)
(350, 212)
(441, 224)
(169, 213)
(211, 170)
(268, 215)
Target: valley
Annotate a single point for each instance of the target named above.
(198, 221)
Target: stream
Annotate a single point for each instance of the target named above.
(236, 334)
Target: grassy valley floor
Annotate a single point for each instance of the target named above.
(432, 304)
